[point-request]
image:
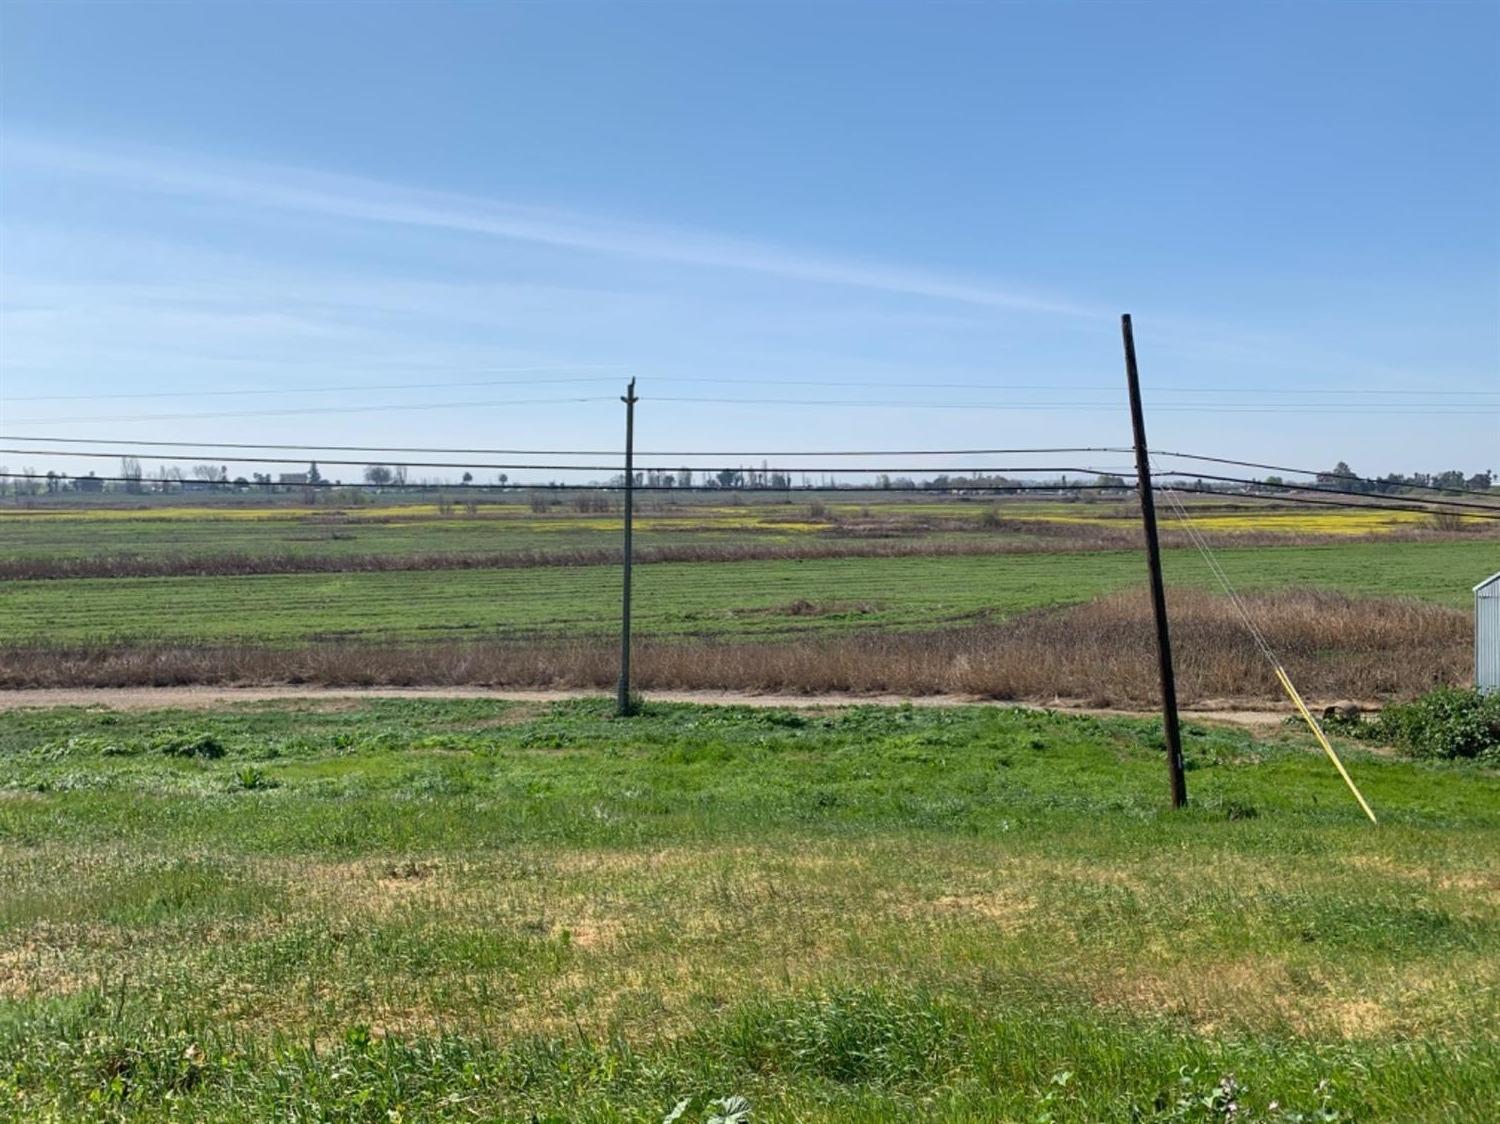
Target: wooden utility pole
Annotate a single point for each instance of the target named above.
(1153, 561)
(623, 703)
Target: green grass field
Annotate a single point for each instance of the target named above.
(398, 910)
(728, 598)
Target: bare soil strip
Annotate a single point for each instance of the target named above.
(1239, 713)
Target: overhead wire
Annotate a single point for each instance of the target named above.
(718, 453)
(1282, 675)
(301, 411)
(1008, 488)
(1325, 490)
(1363, 392)
(611, 467)
(1071, 406)
(1283, 489)
(1351, 506)
(360, 388)
(550, 486)
(1350, 476)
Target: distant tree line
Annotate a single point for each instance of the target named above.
(1392, 482)
(132, 478)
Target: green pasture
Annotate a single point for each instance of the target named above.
(680, 599)
(450, 911)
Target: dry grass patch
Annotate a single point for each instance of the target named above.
(1335, 646)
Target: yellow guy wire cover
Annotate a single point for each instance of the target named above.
(1323, 740)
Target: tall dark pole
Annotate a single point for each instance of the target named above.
(623, 705)
(1153, 560)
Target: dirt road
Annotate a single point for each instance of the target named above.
(1236, 712)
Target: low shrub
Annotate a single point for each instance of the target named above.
(251, 779)
(1450, 723)
(180, 743)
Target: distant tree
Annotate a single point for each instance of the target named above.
(1343, 477)
(468, 478)
(1481, 482)
(379, 475)
(1110, 480)
(684, 477)
(131, 474)
(504, 479)
(398, 476)
(1450, 479)
(313, 475)
(728, 477)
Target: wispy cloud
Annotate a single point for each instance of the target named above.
(274, 187)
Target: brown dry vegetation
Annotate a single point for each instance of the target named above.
(1099, 652)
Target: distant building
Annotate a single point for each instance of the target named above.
(299, 478)
(89, 483)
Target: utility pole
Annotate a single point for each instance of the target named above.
(1153, 561)
(623, 705)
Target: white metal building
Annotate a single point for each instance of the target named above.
(1487, 634)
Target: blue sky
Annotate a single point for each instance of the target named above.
(473, 210)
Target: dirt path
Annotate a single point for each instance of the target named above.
(1235, 712)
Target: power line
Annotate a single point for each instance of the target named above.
(1377, 409)
(1265, 648)
(1054, 385)
(359, 388)
(717, 453)
(612, 467)
(721, 489)
(1220, 408)
(1434, 507)
(1307, 472)
(1367, 504)
(982, 470)
(1324, 489)
(313, 410)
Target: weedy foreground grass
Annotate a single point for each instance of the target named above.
(400, 910)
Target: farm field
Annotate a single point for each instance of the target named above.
(400, 910)
(410, 528)
(903, 593)
(188, 530)
(736, 599)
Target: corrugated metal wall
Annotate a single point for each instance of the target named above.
(1487, 634)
